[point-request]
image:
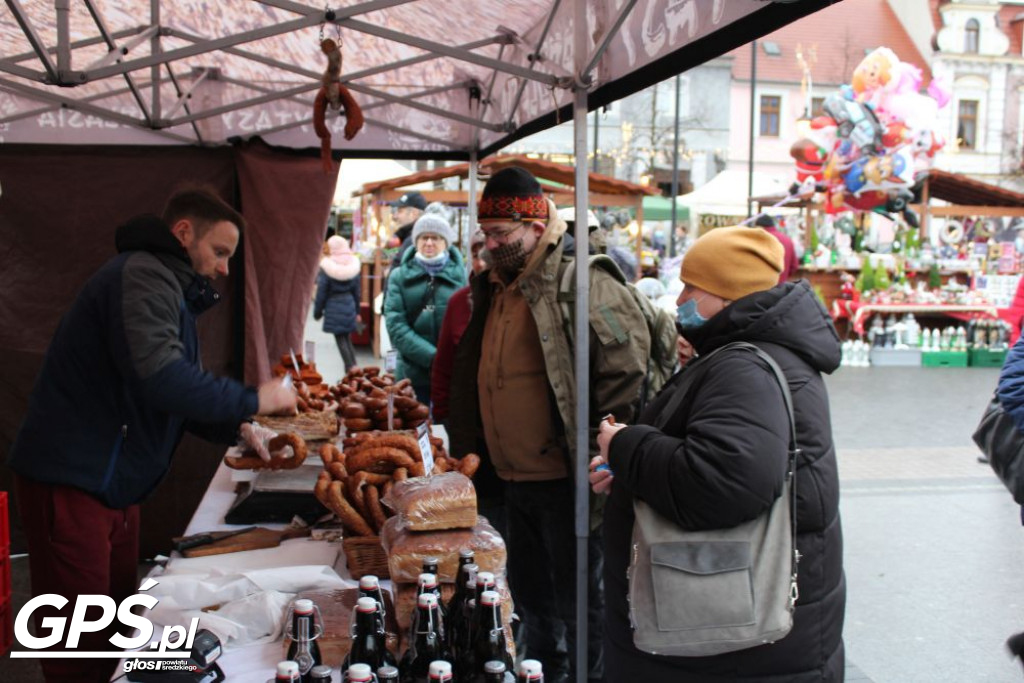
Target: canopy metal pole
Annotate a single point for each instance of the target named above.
(470, 208)
(750, 149)
(156, 48)
(582, 335)
(675, 177)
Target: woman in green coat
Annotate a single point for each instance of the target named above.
(417, 297)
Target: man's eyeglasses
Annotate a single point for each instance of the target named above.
(501, 235)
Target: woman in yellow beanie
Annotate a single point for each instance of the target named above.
(720, 456)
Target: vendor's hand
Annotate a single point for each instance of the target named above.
(600, 475)
(605, 432)
(276, 398)
(255, 437)
(685, 351)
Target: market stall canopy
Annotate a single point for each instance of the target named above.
(355, 172)
(960, 189)
(435, 78)
(726, 193)
(660, 209)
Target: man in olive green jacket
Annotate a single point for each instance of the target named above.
(513, 397)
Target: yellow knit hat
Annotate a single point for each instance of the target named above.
(733, 262)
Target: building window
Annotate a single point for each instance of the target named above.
(817, 107)
(971, 36)
(770, 107)
(771, 48)
(967, 124)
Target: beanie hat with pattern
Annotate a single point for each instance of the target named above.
(433, 224)
(733, 262)
(512, 194)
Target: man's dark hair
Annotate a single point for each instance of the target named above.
(203, 207)
(765, 221)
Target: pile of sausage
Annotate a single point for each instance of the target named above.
(363, 401)
(312, 393)
(355, 479)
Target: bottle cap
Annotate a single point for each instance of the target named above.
(483, 578)
(427, 600)
(320, 672)
(366, 605)
(494, 667)
(439, 669)
(427, 580)
(287, 668)
(369, 582)
(304, 606)
(360, 673)
(466, 553)
(430, 561)
(530, 668)
(490, 598)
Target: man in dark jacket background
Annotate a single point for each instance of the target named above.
(121, 381)
(406, 210)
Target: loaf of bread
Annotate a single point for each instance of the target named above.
(443, 501)
(406, 549)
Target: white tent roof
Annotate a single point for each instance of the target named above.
(435, 78)
(355, 173)
(726, 193)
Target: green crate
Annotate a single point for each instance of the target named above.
(986, 358)
(944, 359)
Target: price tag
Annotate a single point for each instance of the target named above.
(423, 437)
(390, 360)
(391, 412)
(310, 351)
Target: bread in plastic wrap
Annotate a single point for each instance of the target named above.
(443, 501)
(406, 550)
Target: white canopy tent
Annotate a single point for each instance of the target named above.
(354, 173)
(442, 79)
(726, 193)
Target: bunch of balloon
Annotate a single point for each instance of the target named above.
(876, 140)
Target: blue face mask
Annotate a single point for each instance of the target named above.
(688, 316)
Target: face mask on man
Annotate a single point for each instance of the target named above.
(688, 315)
(509, 257)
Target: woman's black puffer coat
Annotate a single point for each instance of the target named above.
(721, 461)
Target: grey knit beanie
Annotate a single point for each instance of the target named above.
(432, 223)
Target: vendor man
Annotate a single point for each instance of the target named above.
(120, 383)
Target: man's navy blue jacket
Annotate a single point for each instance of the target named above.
(122, 379)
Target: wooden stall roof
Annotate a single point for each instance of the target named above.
(949, 187)
(960, 189)
(544, 170)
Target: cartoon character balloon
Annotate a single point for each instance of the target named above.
(877, 140)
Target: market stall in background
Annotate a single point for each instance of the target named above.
(917, 266)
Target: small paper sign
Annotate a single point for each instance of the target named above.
(310, 351)
(390, 360)
(423, 437)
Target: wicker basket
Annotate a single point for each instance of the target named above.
(365, 555)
